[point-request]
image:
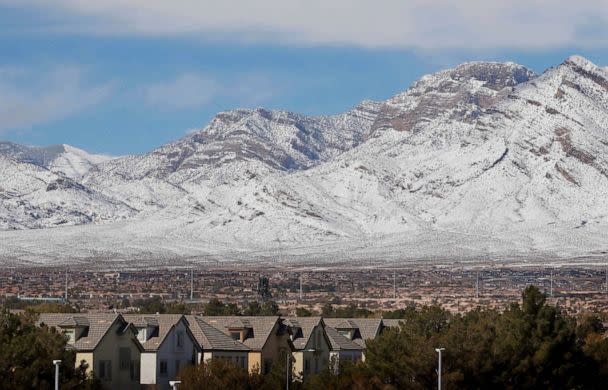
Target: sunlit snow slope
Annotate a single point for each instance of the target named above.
(483, 159)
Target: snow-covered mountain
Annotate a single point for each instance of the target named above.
(63, 159)
(35, 197)
(485, 158)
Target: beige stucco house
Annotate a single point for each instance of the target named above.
(311, 345)
(267, 338)
(215, 344)
(107, 343)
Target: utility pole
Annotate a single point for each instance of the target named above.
(394, 285)
(606, 278)
(439, 350)
(65, 297)
(551, 284)
(301, 290)
(191, 284)
(477, 285)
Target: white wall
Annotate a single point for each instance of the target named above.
(170, 353)
(148, 368)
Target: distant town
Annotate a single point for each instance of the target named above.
(576, 290)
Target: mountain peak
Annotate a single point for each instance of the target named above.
(496, 75)
(580, 62)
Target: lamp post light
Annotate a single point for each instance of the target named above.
(174, 384)
(56, 363)
(439, 350)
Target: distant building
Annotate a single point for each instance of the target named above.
(107, 343)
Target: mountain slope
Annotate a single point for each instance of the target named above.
(65, 159)
(34, 197)
(482, 158)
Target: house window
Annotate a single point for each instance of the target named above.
(124, 356)
(180, 340)
(235, 335)
(163, 368)
(71, 334)
(345, 333)
(105, 370)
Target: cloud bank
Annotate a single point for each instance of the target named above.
(364, 23)
(29, 97)
(193, 90)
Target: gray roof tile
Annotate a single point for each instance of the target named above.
(261, 327)
(369, 328)
(98, 326)
(306, 325)
(211, 338)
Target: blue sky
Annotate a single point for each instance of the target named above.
(122, 77)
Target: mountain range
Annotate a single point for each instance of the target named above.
(485, 161)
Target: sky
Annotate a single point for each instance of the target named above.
(125, 76)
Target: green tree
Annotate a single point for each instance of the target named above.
(214, 374)
(215, 307)
(303, 312)
(27, 352)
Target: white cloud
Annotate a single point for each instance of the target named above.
(367, 23)
(192, 90)
(29, 97)
(188, 90)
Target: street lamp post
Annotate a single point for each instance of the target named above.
(174, 384)
(439, 350)
(56, 363)
(289, 358)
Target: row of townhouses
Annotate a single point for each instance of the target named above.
(132, 351)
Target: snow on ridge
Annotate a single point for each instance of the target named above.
(489, 151)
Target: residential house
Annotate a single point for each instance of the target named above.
(311, 345)
(266, 337)
(342, 348)
(168, 345)
(107, 343)
(215, 344)
(357, 330)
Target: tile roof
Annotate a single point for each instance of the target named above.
(390, 322)
(306, 325)
(339, 342)
(142, 320)
(211, 338)
(369, 328)
(164, 322)
(98, 326)
(261, 327)
(74, 321)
